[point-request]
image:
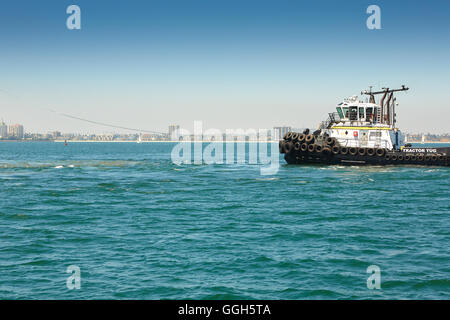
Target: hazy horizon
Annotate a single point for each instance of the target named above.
(233, 64)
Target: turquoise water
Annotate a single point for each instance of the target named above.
(140, 227)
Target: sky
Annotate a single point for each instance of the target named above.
(228, 63)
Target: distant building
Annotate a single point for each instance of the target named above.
(174, 132)
(150, 137)
(56, 134)
(15, 131)
(103, 137)
(279, 132)
(3, 130)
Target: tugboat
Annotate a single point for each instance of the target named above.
(360, 133)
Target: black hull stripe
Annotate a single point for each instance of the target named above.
(296, 157)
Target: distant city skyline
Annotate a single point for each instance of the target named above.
(230, 64)
(276, 133)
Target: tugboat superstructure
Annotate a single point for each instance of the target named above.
(360, 133)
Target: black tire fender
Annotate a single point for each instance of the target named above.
(309, 138)
(380, 152)
(318, 148)
(330, 141)
(301, 137)
(288, 147)
(335, 150)
(362, 151)
(304, 147)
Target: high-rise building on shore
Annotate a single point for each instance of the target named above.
(3, 130)
(174, 132)
(15, 131)
(56, 134)
(279, 132)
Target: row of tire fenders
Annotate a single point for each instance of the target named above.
(294, 141)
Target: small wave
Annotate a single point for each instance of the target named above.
(72, 164)
(435, 283)
(18, 216)
(435, 170)
(226, 296)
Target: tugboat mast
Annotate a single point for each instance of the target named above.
(387, 110)
(387, 90)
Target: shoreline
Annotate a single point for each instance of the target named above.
(169, 141)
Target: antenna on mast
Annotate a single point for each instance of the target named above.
(372, 98)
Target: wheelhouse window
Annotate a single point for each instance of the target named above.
(361, 112)
(345, 111)
(369, 113)
(353, 113)
(339, 111)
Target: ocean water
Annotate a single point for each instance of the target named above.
(140, 227)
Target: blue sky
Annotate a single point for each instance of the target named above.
(231, 64)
